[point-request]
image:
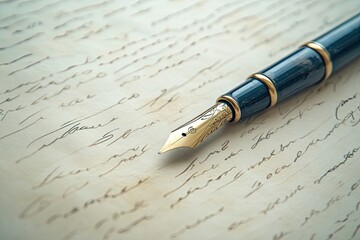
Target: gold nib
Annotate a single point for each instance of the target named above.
(195, 131)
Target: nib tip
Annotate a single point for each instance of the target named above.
(193, 132)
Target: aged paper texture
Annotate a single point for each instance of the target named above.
(90, 91)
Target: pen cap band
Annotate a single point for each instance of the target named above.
(270, 85)
(320, 49)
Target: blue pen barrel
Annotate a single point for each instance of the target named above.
(296, 71)
(252, 96)
(299, 70)
(343, 42)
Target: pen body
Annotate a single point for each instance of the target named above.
(342, 42)
(299, 70)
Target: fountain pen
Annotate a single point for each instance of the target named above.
(312, 63)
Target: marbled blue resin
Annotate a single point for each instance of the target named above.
(295, 72)
(252, 96)
(343, 42)
(300, 69)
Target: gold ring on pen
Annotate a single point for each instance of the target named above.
(321, 50)
(269, 84)
(235, 106)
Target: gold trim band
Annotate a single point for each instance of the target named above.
(233, 104)
(269, 84)
(321, 50)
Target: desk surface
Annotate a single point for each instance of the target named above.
(90, 91)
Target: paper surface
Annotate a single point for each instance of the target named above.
(90, 91)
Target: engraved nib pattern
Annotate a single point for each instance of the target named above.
(195, 131)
